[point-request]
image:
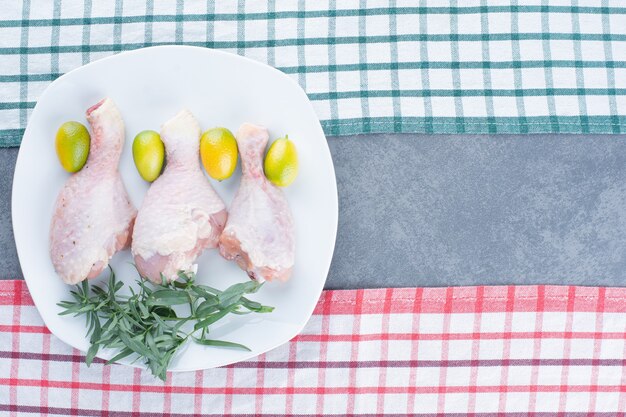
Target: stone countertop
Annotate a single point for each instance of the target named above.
(420, 210)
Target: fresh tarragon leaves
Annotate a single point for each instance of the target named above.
(144, 323)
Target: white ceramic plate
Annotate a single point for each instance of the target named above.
(150, 86)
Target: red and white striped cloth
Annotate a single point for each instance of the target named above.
(483, 351)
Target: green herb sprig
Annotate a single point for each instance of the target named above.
(144, 322)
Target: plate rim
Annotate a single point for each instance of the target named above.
(21, 246)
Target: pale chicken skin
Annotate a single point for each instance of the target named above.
(181, 214)
(259, 234)
(93, 215)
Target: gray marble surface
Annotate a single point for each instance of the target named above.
(418, 210)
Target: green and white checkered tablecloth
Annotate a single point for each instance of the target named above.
(471, 66)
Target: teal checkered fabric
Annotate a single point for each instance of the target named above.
(471, 66)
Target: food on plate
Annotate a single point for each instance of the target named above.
(146, 326)
(72, 145)
(93, 215)
(181, 214)
(259, 234)
(218, 150)
(148, 154)
(281, 162)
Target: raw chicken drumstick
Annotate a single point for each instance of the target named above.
(259, 234)
(93, 215)
(181, 214)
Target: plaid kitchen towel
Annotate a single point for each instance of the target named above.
(471, 66)
(487, 351)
